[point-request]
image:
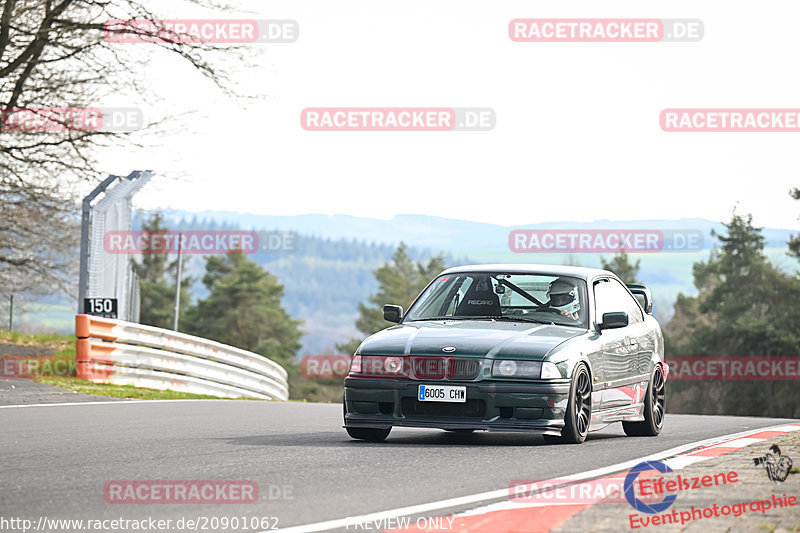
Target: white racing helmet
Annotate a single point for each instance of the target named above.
(563, 295)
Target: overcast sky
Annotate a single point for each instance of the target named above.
(577, 134)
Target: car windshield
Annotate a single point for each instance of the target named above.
(545, 298)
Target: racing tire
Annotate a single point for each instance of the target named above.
(579, 410)
(370, 434)
(655, 404)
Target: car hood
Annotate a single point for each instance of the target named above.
(470, 338)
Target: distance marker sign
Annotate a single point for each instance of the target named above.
(104, 307)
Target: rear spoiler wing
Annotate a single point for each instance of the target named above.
(643, 296)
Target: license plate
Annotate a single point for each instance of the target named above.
(442, 393)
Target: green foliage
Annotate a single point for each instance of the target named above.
(157, 283)
(622, 267)
(315, 390)
(794, 241)
(15, 337)
(399, 283)
(243, 309)
(744, 307)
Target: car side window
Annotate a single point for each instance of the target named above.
(610, 296)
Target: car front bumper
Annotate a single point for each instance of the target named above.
(491, 405)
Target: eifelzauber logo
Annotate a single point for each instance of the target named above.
(630, 494)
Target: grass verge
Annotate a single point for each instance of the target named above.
(120, 391)
(59, 370)
(34, 339)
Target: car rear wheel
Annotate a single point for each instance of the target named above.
(579, 410)
(655, 403)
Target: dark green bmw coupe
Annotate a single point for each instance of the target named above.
(554, 350)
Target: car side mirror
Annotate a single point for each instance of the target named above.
(392, 313)
(614, 320)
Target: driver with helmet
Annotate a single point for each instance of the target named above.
(563, 297)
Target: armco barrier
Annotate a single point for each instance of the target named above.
(124, 353)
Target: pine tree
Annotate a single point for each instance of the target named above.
(794, 241)
(243, 309)
(744, 307)
(157, 283)
(622, 267)
(399, 283)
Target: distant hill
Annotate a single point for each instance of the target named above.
(324, 278)
(447, 234)
(331, 269)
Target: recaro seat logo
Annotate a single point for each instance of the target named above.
(630, 495)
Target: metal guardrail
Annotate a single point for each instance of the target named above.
(124, 353)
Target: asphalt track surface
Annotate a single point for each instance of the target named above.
(55, 459)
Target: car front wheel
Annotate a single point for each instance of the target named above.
(370, 434)
(579, 410)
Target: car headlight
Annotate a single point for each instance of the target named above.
(378, 365)
(393, 365)
(550, 371)
(516, 369)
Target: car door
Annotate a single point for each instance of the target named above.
(623, 349)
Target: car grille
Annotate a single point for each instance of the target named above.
(464, 368)
(445, 368)
(468, 409)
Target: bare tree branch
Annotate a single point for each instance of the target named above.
(61, 55)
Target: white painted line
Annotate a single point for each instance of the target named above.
(59, 404)
(139, 401)
(121, 401)
(676, 463)
(738, 443)
(503, 493)
(786, 429)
